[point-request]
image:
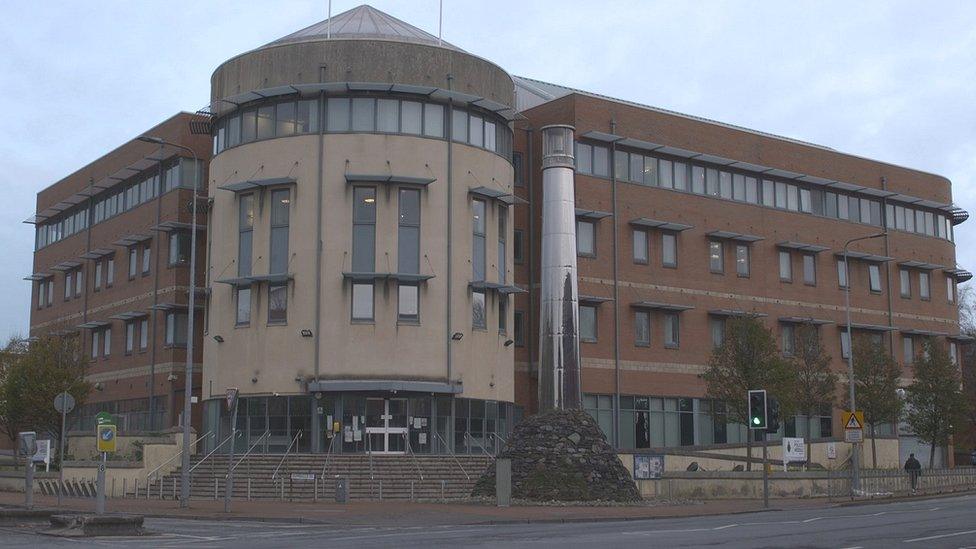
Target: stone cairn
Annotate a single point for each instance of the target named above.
(562, 455)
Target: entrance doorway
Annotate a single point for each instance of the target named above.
(386, 425)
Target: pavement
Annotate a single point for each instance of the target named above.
(948, 521)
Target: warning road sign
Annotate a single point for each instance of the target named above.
(853, 420)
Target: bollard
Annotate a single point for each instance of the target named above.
(29, 483)
(315, 490)
(282, 489)
(443, 483)
(341, 490)
(174, 488)
(248, 488)
(411, 490)
(215, 488)
(100, 488)
(123, 487)
(381, 490)
(160, 489)
(503, 482)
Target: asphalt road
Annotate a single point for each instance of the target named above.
(944, 522)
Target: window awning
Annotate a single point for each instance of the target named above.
(174, 306)
(868, 327)
(661, 306)
(495, 286)
(801, 247)
(411, 277)
(38, 276)
(512, 289)
(595, 215)
(600, 136)
(259, 184)
(132, 240)
(97, 253)
(256, 279)
(804, 320)
(736, 313)
(389, 179)
(362, 276)
(870, 258)
(66, 266)
(93, 325)
(961, 338)
(925, 333)
(738, 237)
(494, 194)
(961, 275)
(131, 315)
(171, 226)
(662, 225)
(594, 299)
(913, 264)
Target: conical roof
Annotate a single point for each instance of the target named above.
(363, 23)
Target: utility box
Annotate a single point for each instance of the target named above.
(341, 490)
(503, 482)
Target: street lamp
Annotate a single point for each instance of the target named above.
(855, 462)
(188, 391)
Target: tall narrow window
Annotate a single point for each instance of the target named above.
(950, 290)
(905, 279)
(518, 246)
(642, 328)
(143, 334)
(519, 328)
(671, 330)
(587, 323)
(243, 306)
(280, 218)
(110, 271)
(810, 269)
(908, 346)
(502, 243)
(363, 250)
(717, 328)
(176, 329)
(785, 266)
(146, 258)
(742, 260)
(924, 289)
(478, 225)
(94, 344)
(585, 238)
(98, 276)
(408, 254)
(278, 303)
(841, 273)
(68, 284)
(107, 342)
(503, 313)
(954, 353)
(79, 282)
(789, 334)
(245, 238)
(845, 344)
(640, 246)
(874, 276)
(669, 250)
(716, 262)
(130, 337)
(179, 248)
(479, 318)
(133, 262)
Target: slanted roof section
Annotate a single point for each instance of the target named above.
(363, 23)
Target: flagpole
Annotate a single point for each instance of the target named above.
(328, 24)
(440, 21)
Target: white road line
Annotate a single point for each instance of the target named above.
(812, 519)
(913, 540)
(724, 527)
(854, 547)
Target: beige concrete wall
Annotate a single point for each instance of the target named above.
(276, 355)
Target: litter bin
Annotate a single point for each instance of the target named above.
(341, 490)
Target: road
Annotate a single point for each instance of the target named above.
(944, 522)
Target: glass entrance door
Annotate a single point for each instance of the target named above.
(386, 425)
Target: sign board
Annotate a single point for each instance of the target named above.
(831, 450)
(794, 450)
(43, 453)
(64, 403)
(107, 441)
(853, 427)
(303, 476)
(28, 443)
(231, 397)
(648, 466)
(104, 418)
(853, 436)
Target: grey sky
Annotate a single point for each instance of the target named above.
(887, 80)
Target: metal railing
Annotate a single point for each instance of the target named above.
(369, 452)
(328, 455)
(248, 452)
(178, 455)
(214, 451)
(501, 439)
(416, 462)
(287, 451)
(468, 437)
(450, 451)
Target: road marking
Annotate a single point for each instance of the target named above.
(913, 540)
(854, 547)
(724, 527)
(812, 519)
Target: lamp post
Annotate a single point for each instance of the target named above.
(188, 391)
(855, 461)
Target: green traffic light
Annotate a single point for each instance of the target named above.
(755, 420)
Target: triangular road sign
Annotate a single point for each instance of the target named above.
(853, 423)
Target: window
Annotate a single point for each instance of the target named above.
(363, 114)
(671, 330)
(517, 169)
(716, 261)
(502, 314)
(924, 289)
(874, 276)
(94, 344)
(143, 334)
(502, 244)
(789, 339)
(337, 112)
(669, 250)
(711, 182)
(518, 250)
(640, 246)
(98, 276)
(265, 122)
(133, 262)
(519, 327)
(716, 327)
(362, 302)
(408, 253)
(642, 328)
(277, 303)
(908, 346)
(106, 342)
(412, 117)
(479, 318)
(698, 180)
(584, 158)
(738, 187)
(785, 266)
(768, 192)
(841, 273)
(742, 260)
(245, 238)
(146, 259)
(479, 229)
(950, 289)
(680, 174)
(664, 174)
(243, 306)
(587, 320)
(810, 269)
(176, 329)
(110, 271)
(130, 337)
(433, 120)
(725, 185)
(845, 344)
(67, 285)
(585, 238)
(363, 250)
(79, 282)
(285, 118)
(280, 214)
(954, 353)
(601, 161)
(905, 278)
(388, 116)
(179, 248)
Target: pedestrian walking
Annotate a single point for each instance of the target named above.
(914, 469)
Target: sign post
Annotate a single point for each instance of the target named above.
(794, 450)
(28, 447)
(107, 442)
(232, 393)
(63, 403)
(758, 422)
(854, 434)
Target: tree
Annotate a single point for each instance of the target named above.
(936, 402)
(876, 377)
(31, 375)
(814, 386)
(747, 359)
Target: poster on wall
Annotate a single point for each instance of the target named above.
(648, 466)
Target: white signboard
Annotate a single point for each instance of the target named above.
(43, 454)
(831, 450)
(794, 450)
(853, 435)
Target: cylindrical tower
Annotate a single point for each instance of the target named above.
(559, 357)
(359, 258)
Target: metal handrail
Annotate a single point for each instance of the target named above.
(212, 452)
(484, 450)
(178, 454)
(369, 453)
(288, 451)
(406, 439)
(451, 452)
(328, 455)
(501, 439)
(248, 452)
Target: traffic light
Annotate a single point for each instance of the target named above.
(757, 409)
(772, 416)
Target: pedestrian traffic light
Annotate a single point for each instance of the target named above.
(757, 409)
(772, 415)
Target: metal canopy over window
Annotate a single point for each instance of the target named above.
(495, 286)
(925, 333)
(804, 320)
(493, 194)
(255, 279)
(174, 306)
(868, 327)
(661, 306)
(799, 246)
(870, 258)
(736, 313)
(738, 237)
(93, 325)
(171, 226)
(912, 264)
(97, 253)
(600, 136)
(595, 215)
(38, 276)
(662, 225)
(131, 315)
(390, 179)
(132, 240)
(961, 338)
(594, 299)
(961, 275)
(66, 266)
(259, 184)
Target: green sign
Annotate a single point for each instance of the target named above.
(104, 418)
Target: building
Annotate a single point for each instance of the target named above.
(111, 266)
(372, 265)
